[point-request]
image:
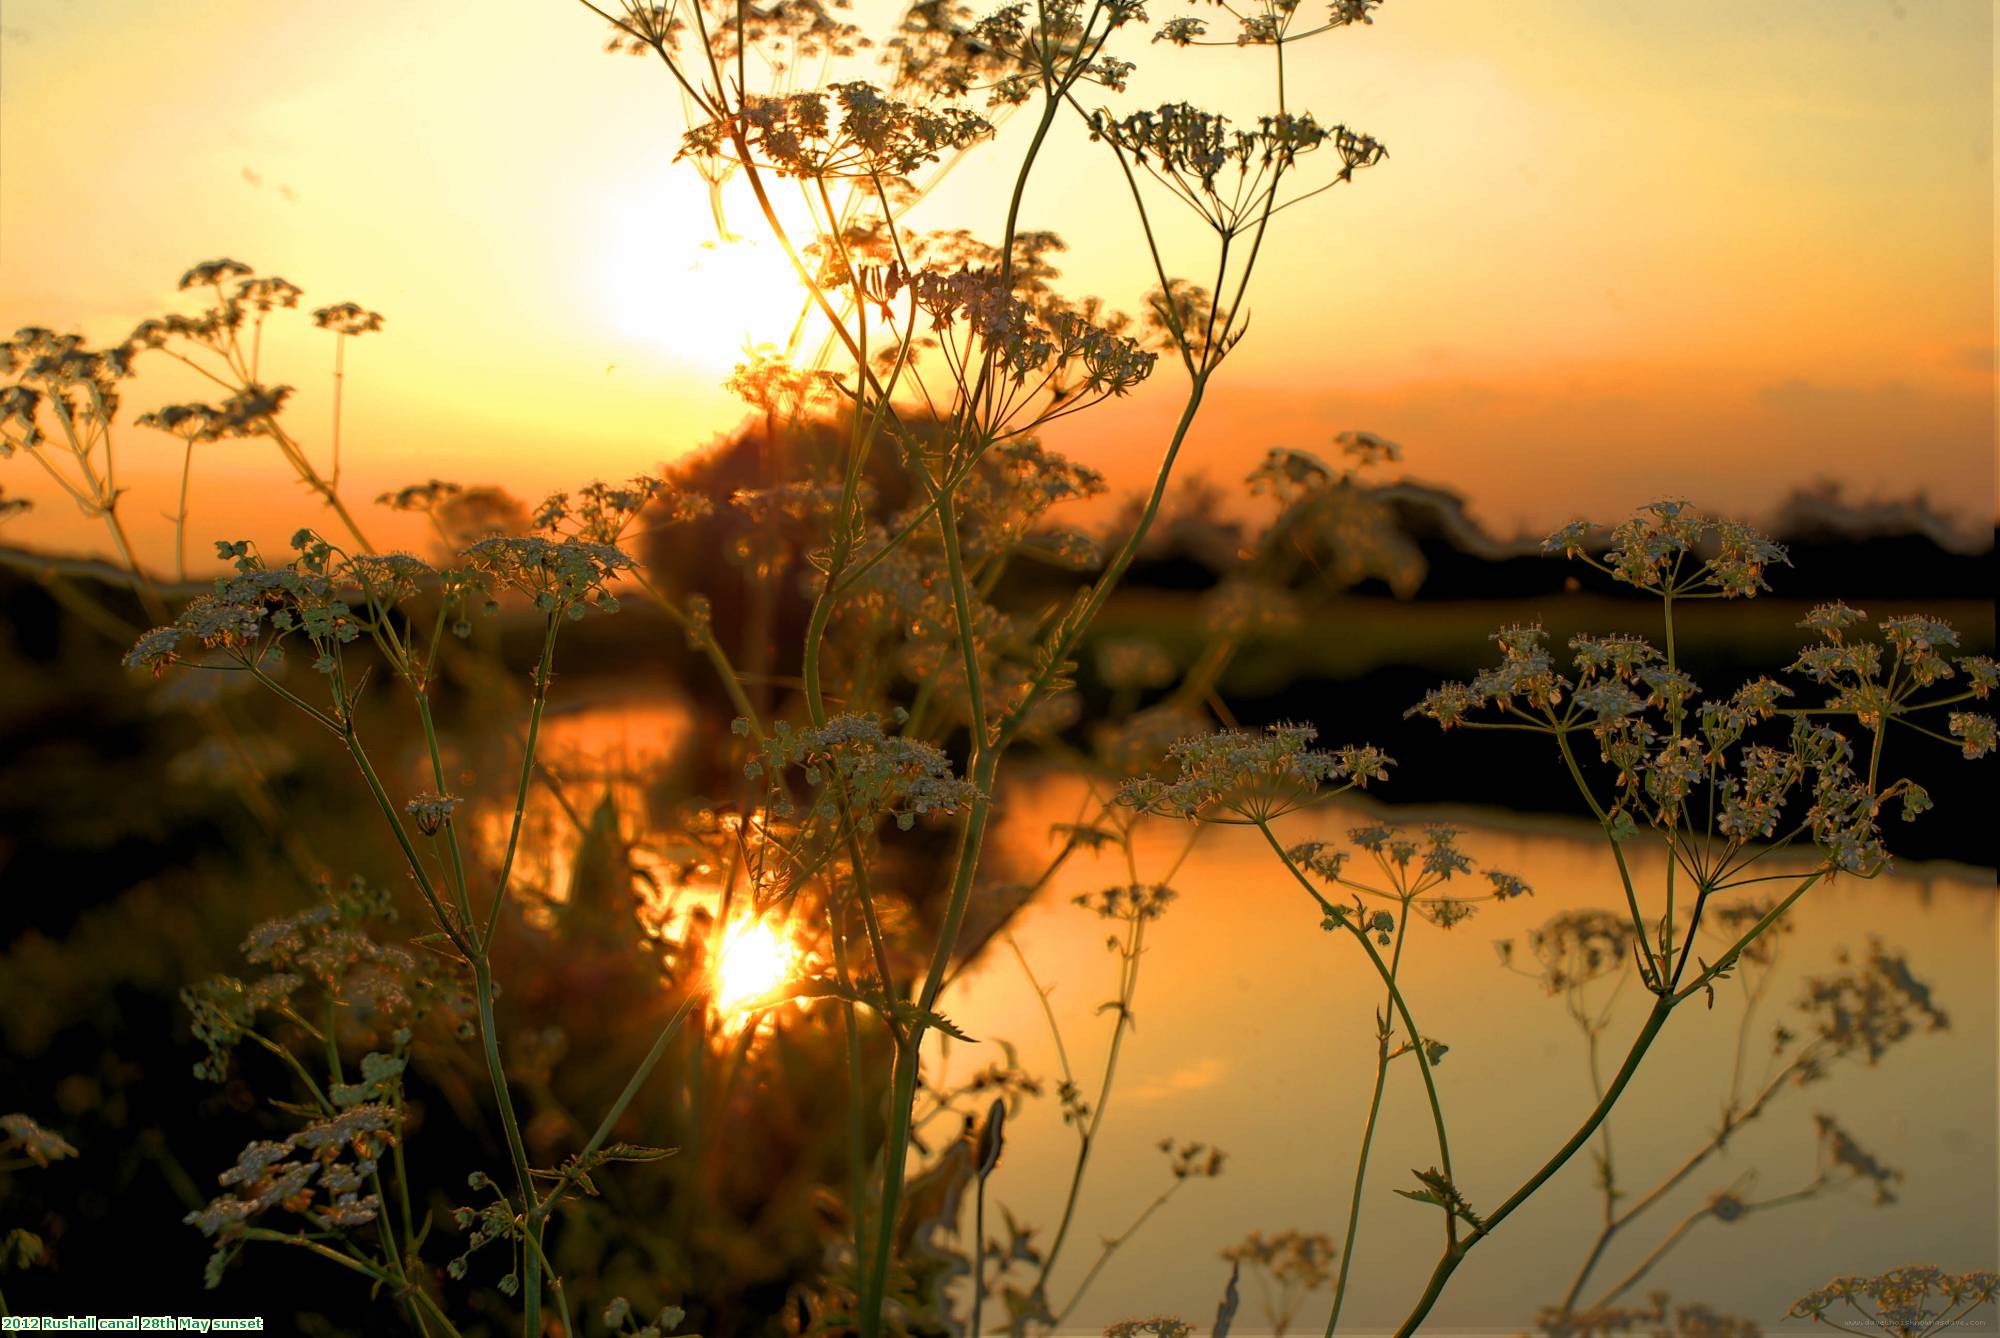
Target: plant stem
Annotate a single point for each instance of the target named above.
(1128, 986)
(1396, 995)
(1367, 1141)
(541, 700)
(496, 1075)
(1454, 1255)
(632, 1086)
(1113, 1245)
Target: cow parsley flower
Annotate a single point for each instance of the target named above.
(1251, 775)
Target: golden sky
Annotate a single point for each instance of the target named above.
(1620, 249)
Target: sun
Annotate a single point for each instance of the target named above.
(754, 960)
(666, 280)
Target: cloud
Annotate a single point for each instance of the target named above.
(1203, 1073)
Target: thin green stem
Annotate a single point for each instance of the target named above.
(1454, 1255)
(387, 806)
(541, 699)
(1648, 967)
(625, 1097)
(1360, 935)
(1112, 1245)
(1128, 984)
(1367, 1142)
(517, 1151)
(461, 886)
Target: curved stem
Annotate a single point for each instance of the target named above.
(1396, 996)
(1113, 1245)
(1128, 985)
(1448, 1262)
(1367, 1142)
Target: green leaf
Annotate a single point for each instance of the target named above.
(1438, 1191)
(211, 1274)
(931, 1020)
(379, 1076)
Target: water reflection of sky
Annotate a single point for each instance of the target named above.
(1255, 1032)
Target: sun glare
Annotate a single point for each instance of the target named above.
(755, 960)
(667, 281)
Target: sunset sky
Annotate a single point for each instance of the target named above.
(1620, 249)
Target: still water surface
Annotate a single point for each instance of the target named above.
(1255, 1033)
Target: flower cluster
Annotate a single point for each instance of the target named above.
(347, 318)
(1240, 607)
(1010, 491)
(250, 611)
(1127, 901)
(379, 989)
(1870, 1007)
(852, 764)
(1908, 1302)
(781, 35)
(1288, 1255)
(320, 1173)
(1525, 679)
(1672, 550)
(1080, 351)
(432, 811)
(1638, 707)
(460, 515)
(1415, 870)
(1574, 948)
(77, 384)
(848, 131)
(1878, 681)
(1192, 1161)
(241, 296)
(600, 513)
(560, 576)
(1289, 1266)
(1227, 174)
(1012, 51)
(1840, 1153)
(1345, 530)
(245, 413)
(1250, 775)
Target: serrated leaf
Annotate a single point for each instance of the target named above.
(1083, 834)
(1438, 1191)
(632, 1152)
(218, 1260)
(930, 1019)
